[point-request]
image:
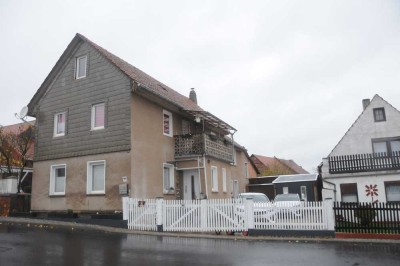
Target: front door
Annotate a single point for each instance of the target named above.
(191, 185)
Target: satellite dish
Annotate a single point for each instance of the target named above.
(23, 112)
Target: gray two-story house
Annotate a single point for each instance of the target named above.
(106, 129)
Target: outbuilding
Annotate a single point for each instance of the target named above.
(308, 186)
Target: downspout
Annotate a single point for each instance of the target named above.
(233, 148)
(205, 174)
(328, 182)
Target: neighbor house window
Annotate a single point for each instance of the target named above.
(349, 192)
(57, 179)
(59, 124)
(96, 171)
(303, 191)
(285, 190)
(81, 66)
(214, 179)
(168, 178)
(379, 114)
(223, 179)
(246, 170)
(167, 123)
(392, 189)
(98, 116)
(387, 146)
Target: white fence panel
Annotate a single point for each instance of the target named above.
(142, 214)
(225, 215)
(306, 216)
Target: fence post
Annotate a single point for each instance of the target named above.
(330, 214)
(203, 213)
(249, 214)
(125, 208)
(159, 214)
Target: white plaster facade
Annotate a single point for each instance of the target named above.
(360, 139)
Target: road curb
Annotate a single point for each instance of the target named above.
(71, 225)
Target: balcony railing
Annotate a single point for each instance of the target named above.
(364, 162)
(203, 144)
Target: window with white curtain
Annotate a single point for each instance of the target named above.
(96, 177)
(223, 179)
(59, 124)
(81, 66)
(214, 179)
(98, 116)
(392, 191)
(57, 179)
(168, 178)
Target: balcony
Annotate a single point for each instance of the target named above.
(369, 162)
(200, 144)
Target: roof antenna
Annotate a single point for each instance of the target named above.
(22, 114)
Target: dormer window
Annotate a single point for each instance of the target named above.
(81, 65)
(379, 114)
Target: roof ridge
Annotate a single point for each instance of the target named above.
(358, 118)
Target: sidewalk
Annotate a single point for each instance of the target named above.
(71, 225)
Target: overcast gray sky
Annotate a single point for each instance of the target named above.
(289, 75)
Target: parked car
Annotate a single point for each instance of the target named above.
(288, 203)
(262, 206)
(255, 196)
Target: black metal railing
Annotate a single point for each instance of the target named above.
(203, 144)
(364, 162)
(376, 218)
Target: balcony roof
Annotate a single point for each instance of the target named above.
(212, 120)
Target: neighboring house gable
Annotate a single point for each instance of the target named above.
(367, 156)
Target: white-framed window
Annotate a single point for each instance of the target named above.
(81, 67)
(285, 190)
(98, 116)
(392, 189)
(168, 178)
(246, 170)
(235, 188)
(349, 192)
(96, 177)
(60, 124)
(167, 123)
(214, 179)
(58, 175)
(223, 179)
(303, 191)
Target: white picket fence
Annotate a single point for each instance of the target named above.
(224, 215)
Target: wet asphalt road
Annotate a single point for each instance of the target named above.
(23, 245)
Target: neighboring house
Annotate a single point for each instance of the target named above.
(308, 186)
(270, 166)
(10, 160)
(365, 165)
(102, 123)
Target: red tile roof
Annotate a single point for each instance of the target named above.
(268, 161)
(19, 128)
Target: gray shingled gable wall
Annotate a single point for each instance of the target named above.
(104, 83)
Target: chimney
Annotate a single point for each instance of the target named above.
(365, 103)
(192, 96)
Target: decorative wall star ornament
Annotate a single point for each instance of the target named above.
(371, 191)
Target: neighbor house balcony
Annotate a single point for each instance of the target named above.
(200, 144)
(369, 162)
